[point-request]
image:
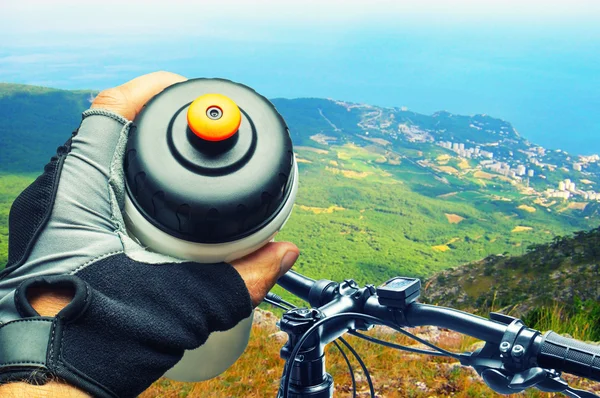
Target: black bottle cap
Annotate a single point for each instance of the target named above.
(208, 191)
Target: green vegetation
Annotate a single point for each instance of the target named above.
(10, 187)
(34, 121)
(581, 320)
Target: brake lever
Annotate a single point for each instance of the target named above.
(575, 393)
(491, 368)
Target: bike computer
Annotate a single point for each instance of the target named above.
(399, 292)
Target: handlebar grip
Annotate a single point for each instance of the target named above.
(297, 284)
(570, 355)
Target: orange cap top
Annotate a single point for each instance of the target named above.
(214, 117)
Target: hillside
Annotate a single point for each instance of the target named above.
(382, 198)
(561, 274)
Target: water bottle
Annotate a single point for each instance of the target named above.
(210, 176)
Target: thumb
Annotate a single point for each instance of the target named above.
(261, 269)
(128, 99)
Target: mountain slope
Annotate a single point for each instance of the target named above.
(565, 271)
(34, 121)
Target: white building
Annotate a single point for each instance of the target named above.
(530, 173)
(577, 166)
(562, 186)
(521, 170)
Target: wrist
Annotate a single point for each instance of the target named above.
(47, 303)
(53, 389)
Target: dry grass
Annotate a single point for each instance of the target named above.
(448, 169)
(300, 160)
(453, 218)
(529, 209)
(441, 248)
(464, 164)
(542, 202)
(483, 174)
(520, 228)
(577, 205)
(502, 198)
(350, 173)
(321, 210)
(394, 373)
(343, 155)
(355, 174)
(311, 149)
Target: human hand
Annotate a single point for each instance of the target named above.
(129, 315)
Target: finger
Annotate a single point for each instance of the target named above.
(261, 269)
(128, 99)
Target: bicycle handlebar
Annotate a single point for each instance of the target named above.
(548, 351)
(416, 314)
(298, 285)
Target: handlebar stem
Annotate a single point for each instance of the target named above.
(308, 375)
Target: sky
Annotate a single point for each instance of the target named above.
(535, 64)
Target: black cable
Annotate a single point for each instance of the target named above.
(349, 366)
(372, 319)
(428, 344)
(276, 298)
(422, 341)
(396, 346)
(362, 365)
(287, 303)
(273, 303)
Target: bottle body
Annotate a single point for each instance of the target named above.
(221, 349)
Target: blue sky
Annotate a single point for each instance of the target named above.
(535, 64)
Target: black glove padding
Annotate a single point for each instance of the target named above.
(134, 312)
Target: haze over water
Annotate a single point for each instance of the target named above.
(535, 65)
